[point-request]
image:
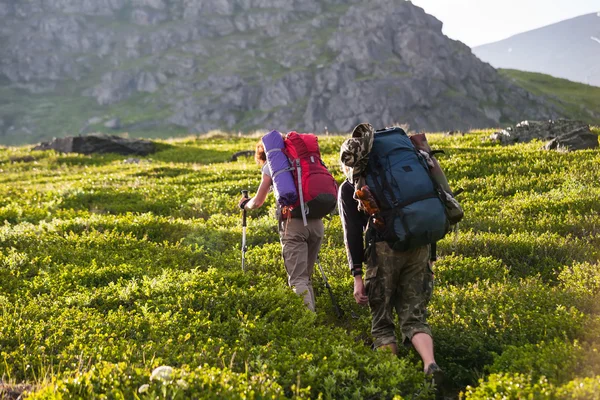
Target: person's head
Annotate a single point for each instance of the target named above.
(259, 155)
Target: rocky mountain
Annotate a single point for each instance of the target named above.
(569, 49)
(163, 67)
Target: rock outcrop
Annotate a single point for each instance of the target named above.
(248, 64)
(99, 144)
(561, 134)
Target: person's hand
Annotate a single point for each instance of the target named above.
(243, 202)
(359, 291)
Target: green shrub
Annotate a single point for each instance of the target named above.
(474, 321)
(109, 270)
(580, 389)
(556, 360)
(511, 386)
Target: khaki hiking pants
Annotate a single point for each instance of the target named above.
(300, 247)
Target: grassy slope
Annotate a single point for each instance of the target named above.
(579, 101)
(108, 270)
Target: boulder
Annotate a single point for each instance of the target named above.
(578, 139)
(99, 144)
(561, 134)
(243, 153)
(23, 159)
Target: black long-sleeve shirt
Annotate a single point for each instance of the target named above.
(354, 224)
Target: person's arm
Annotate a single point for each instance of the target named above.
(353, 224)
(261, 194)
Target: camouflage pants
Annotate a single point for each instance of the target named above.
(401, 281)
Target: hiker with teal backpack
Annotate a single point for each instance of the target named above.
(305, 192)
(392, 215)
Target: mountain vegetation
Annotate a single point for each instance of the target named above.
(122, 279)
(577, 100)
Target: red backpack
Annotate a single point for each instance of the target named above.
(317, 189)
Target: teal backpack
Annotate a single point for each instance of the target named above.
(410, 202)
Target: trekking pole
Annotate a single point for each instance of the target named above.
(244, 246)
(338, 311)
(455, 228)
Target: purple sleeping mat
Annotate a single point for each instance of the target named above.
(283, 180)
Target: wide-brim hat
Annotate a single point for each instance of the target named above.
(354, 153)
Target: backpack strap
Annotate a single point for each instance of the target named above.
(281, 171)
(384, 185)
(301, 192)
(415, 199)
(370, 240)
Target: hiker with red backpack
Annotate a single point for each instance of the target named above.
(305, 192)
(392, 199)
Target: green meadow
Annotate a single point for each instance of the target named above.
(123, 280)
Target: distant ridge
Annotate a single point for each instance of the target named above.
(576, 100)
(568, 49)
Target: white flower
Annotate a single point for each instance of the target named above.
(182, 384)
(144, 388)
(163, 373)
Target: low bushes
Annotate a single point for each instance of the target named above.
(109, 271)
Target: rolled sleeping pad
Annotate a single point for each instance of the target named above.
(420, 142)
(284, 186)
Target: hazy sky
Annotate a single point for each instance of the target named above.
(476, 22)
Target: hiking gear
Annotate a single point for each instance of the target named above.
(244, 246)
(317, 188)
(336, 308)
(370, 205)
(354, 154)
(284, 186)
(419, 140)
(355, 151)
(303, 185)
(409, 201)
(437, 376)
(243, 202)
(453, 209)
(431, 368)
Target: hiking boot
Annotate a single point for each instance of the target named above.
(437, 377)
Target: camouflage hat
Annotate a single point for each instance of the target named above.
(354, 153)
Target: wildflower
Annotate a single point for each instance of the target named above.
(163, 373)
